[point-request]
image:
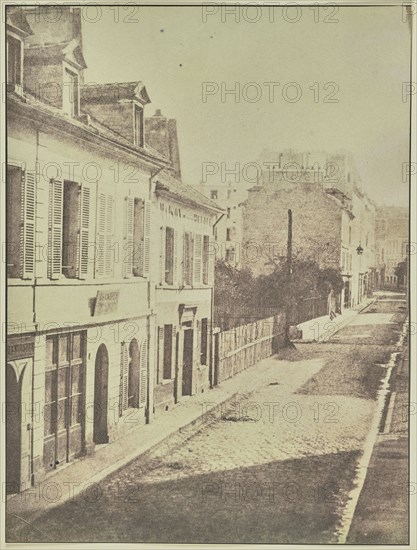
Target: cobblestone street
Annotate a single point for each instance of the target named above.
(277, 466)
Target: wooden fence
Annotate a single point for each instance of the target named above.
(241, 347)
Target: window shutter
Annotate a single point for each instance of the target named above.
(27, 248)
(174, 259)
(197, 258)
(55, 229)
(146, 238)
(84, 214)
(128, 250)
(100, 239)
(124, 379)
(211, 260)
(160, 358)
(109, 252)
(174, 351)
(143, 378)
(162, 255)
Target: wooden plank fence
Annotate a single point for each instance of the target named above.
(243, 346)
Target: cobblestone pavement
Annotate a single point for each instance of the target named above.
(275, 467)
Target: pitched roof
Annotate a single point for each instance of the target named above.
(177, 189)
(115, 91)
(68, 51)
(84, 122)
(16, 18)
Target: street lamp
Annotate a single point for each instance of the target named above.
(359, 250)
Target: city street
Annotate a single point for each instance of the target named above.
(278, 466)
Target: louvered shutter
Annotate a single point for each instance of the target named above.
(198, 257)
(55, 229)
(162, 255)
(174, 258)
(143, 378)
(174, 351)
(124, 379)
(101, 236)
(128, 250)
(146, 238)
(84, 215)
(211, 260)
(109, 252)
(160, 366)
(27, 248)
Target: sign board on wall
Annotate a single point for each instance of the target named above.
(107, 302)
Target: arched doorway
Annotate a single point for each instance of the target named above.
(133, 374)
(13, 431)
(101, 372)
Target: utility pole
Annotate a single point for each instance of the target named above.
(288, 300)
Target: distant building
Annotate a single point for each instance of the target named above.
(228, 232)
(391, 241)
(333, 220)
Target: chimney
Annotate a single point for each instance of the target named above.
(161, 135)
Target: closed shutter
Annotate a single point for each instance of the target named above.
(104, 243)
(174, 351)
(143, 379)
(124, 379)
(198, 257)
(128, 250)
(55, 229)
(160, 366)
(100, 239)
(174, 259)
(162, 255)
(146, 239)
(109, 256)
(84, 233)
(211, 260)
(27, 249)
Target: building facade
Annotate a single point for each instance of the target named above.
(85, 302)
(391, 240)
(332, 222)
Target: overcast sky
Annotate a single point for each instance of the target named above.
(173, 51)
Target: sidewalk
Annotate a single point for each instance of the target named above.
(73, 478)
(322, 328)
(381, 515)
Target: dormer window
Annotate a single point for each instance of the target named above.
(138, 126)
(70, 93)
(14, 60)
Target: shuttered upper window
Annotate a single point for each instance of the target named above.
(20, 232)
(68, 231)
(198, 258)
(105, 256)
(136, 248)
(188, 259)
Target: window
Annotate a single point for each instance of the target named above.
(169, 255)
(68, 221)
(228, 212)
(204, 341)
(138, 126)
(129, 377)
(214, 194)
(198, 258)
(70, 94)
(229, 193)
(64, 395)
(188, 259)
(228, 234)
(350, 234)
(14, 60)
(104, 262)
(136, 245)
(206, 251)
(20, 231)
(230, 255)
(167, 359)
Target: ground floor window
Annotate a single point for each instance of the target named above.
(64, 397)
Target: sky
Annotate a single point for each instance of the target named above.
(356, 56)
